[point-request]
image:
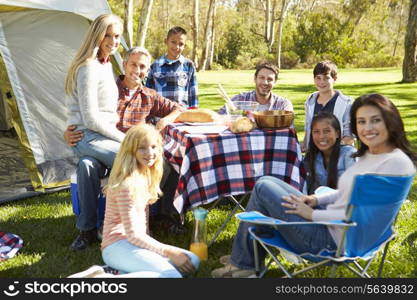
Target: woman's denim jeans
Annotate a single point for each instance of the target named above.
(267, 198)
(95, 145)
(129, 258)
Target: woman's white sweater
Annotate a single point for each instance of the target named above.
(393, 163)
(93, 104)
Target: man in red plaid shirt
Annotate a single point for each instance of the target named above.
(137, 104)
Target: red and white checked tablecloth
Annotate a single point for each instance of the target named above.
(214, 165)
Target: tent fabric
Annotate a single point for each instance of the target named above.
(88, 9)
(37, 46)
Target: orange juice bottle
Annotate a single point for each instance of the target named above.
(200, 249)
(199, 238)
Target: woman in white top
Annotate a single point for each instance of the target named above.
(92, 91)
(383, 149)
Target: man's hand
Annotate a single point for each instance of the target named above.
(167, 119)
(161, 124)
(71, 136)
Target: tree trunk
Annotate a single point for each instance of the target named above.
(410, 43)
(272, 27)
(194, 27)
(268, 19)
(128, 22)
(207, 36)
(211, 51)
(281, 19)
(400, 23)
(144, 22)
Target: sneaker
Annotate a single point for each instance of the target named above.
(84, 239)
(91, 272)
(231, 271)
(244, 274)
(225, 259)
(224, 272)
(110, 270)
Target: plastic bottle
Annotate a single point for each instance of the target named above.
(199, 238)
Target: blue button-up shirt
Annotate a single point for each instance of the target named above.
(344, 162)
(175, 80)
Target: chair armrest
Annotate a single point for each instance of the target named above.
(256, 217)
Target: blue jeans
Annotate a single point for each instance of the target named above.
(89, 173)
(267, 198)
(128, 258)
(95, 145)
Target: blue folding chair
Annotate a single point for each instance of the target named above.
(370, 215)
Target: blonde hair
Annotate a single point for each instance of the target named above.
(90, 46)
(126, 169)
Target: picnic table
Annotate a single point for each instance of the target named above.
(223, 164)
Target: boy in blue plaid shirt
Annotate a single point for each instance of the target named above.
(172, 75)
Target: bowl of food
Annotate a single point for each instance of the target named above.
(273, 118)
(242, 107)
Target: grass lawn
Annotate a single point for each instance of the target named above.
(46, 223)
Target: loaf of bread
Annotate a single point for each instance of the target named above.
(199, 115)
(242, 124)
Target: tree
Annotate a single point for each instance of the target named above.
(410, 44)
(210, 57)
(397, 37)
(128, 22)
(194, 28)
(284, 6)
(144, 22)
(207, 35)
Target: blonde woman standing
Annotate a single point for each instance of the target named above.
(133, 185)
(92, 91)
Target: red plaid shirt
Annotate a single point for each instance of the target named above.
(142, 106)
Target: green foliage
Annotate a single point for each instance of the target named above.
(240, 48)
(317, 34)
(351, 33)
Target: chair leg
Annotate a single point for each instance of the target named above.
(381, 264)
(356, 272)
(333, 271)
(256, 257)
(229, 216)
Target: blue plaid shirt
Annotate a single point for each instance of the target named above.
(175, 80)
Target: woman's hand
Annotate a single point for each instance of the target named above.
(180, 259)
(297, 207)
(310, 200)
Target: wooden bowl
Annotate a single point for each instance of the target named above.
(273, 118)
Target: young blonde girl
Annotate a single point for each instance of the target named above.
(133, 185)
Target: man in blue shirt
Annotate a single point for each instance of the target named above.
(172, 75)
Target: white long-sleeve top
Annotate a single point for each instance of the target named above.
(93, 104)
(393, 163)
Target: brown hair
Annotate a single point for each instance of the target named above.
(175, 30)
(325, 67)
(392, 119)
(269, 66)
(313, 151)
